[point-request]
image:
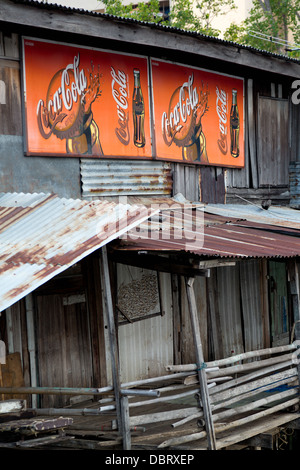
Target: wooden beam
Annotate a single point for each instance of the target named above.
(209, 427)
(125, 423)
(105, 282)
(118, 30)
(157, 263)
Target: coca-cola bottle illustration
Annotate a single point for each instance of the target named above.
(138, 110)
(234, 126)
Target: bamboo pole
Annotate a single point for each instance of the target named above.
(187, 419)
(162, 378)
(125, 423)
(164, 399)
(230, 360)
(251, 393)
(258, 403)
(105, 282)
(224, 427)
(273, 379)
(162, 416)
(248, 377)
(200, 361)
(71, 411)
(250, 366)
(74, 391)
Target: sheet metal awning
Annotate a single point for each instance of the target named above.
(224, 233)
(42, 235)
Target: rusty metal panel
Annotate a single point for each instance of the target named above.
(42, 235)
(222, 236)
(280, 216)
(103, 178)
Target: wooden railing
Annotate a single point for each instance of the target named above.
(248, 391)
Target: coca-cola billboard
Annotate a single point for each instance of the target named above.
(91, 103)
(81, 102)
(198, 115)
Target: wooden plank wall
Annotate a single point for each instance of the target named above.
(233, 312)
(270, 144)
(10, 87)
(68, 329)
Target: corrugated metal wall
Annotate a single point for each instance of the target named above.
(105, 178)
(146, 346)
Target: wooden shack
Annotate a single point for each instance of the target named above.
(149, 265)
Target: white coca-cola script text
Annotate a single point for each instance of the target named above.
(119, 88)
(73, 83)
(221, 106)
(188, 99)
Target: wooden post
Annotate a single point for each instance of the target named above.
(125, 423)
(105, 280)
(200, 362)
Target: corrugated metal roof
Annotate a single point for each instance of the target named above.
(41, 235)
(280, 216)
(227, 235)
(171, 29)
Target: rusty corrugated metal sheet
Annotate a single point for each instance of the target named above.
(41, 235)
(215, 236)
(280, 216)
(103, 178)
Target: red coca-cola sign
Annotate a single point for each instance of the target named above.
(82, 103)
(194, 108)
(88, 102)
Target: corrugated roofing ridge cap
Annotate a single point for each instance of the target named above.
(195, 34)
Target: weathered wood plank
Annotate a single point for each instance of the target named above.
(254, 429)
(99, 27)
(200, 361)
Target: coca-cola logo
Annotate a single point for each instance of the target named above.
(222, 107)
(177, 122)
(186, 108)
(119, 87)
(62, 112)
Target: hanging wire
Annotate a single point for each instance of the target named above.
(275, 40)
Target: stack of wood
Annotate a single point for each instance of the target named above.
(249, 391)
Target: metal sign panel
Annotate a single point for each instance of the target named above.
(83, 102)
(198, 115)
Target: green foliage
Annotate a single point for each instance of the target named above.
(186, 14)
(270, 25)
(148, 12)
(199, 15)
